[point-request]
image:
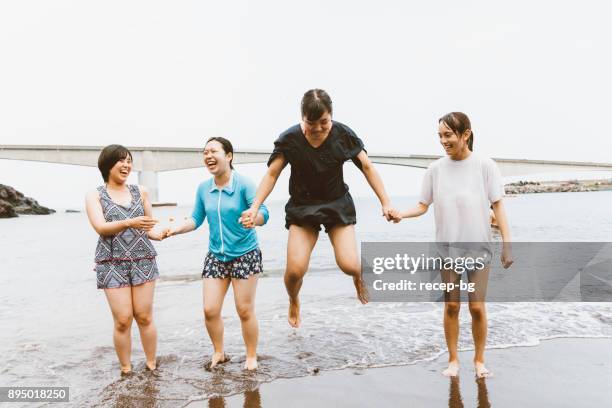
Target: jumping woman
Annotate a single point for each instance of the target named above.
(316, 149)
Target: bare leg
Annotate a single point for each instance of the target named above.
(344, 242)
(479, 333)
(214, 290)
(479, 320)
(120, 302)
(451, 333)
(299, 247)
(142, 303)
(244, 297)
(452, 306)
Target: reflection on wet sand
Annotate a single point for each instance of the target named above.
(136, 390)
(177, 382)
(483, 393)
(142, 390)
(252, 399)
(454, 394)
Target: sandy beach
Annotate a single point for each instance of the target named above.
(555, 373)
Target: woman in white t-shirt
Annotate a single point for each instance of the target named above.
(463, 186)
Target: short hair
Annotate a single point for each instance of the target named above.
(109, 156)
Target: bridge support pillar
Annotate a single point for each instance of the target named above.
(147, 177)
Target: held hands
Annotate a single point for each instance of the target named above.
(168, 232)
(248, 217)
(144, 223)
(391, 214)
(396, 215)
(159, 236)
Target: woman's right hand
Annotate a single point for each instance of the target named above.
(144, 223)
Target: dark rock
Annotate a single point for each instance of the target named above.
(13, 202)
(6, 210)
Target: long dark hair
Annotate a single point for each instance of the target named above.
(109, 156)
(315, 103)
(459, 122)
(227, 147)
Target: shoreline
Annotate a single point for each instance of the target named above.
(560, 372)
(567, 186)
(75, 210)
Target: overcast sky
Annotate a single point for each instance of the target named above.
(534, 76)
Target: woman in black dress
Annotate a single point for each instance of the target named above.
(317, 149)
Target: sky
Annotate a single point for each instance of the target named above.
(532, 76)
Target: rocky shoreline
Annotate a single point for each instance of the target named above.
(13, 203)
(572, 186)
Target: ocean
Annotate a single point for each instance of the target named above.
(56, 327)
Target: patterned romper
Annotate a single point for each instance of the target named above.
(127, 258)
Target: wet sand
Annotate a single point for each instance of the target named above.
(556, 373)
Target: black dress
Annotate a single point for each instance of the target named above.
(318, 194)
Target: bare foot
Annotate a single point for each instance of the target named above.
(151, 365)
(362, 292)
(250, 363)
(152, 372)
(452, 370)
(294, 313)
(218, 357)
(481, 370)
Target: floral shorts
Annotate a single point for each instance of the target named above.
(238, 268)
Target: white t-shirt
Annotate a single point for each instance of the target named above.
(462, 192)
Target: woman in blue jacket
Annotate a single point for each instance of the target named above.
(233, 251)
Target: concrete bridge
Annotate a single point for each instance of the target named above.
(150, 160)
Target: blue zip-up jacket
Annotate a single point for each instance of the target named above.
(228, 238)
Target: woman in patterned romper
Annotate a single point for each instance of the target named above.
(125, 258)
(233, 251)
